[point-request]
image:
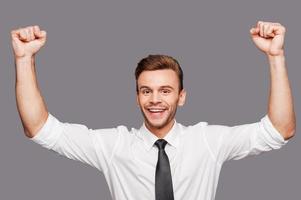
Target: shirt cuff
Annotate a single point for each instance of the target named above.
(273, 132)
(49, 133)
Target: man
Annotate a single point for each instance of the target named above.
(162, 160)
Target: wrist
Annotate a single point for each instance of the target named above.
(24, 59)
(277, 62)
(277, 57)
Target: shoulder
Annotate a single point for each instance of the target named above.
(194, 129)
(119, 130)
(209, 130)
(206, 126)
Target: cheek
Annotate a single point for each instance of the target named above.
(141, 100)
(171, 101)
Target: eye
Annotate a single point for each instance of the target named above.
(145, 92)
(165, 91)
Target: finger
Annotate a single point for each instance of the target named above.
(37, 31)
(266, 26)
(23, 35)
(269, 32)
(43, 34)
(261, 29)
(259, 26)
(28, 34)
(254, 31)
(15, 34)
(276, 24)
(27, 30)
(279, 30)
(31, 34)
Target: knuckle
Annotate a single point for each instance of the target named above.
(259, 23)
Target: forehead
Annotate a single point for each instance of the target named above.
(157, 78)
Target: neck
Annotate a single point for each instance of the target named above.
(162, 131)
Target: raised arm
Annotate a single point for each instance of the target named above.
(269, 38)
(32, 109)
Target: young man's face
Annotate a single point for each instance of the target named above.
(158, 97)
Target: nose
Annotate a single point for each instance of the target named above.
(155, 97)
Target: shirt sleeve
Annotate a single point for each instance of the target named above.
(237, 142)
(78, 142)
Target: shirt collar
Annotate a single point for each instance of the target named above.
(172, 137)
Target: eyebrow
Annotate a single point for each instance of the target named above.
(161, 87)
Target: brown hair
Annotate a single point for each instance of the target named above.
(157, 62)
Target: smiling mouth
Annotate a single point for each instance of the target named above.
(156, 110)
(156, 113)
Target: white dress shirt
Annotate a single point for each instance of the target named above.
(128, 158)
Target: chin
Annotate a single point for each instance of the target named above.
(157, 124)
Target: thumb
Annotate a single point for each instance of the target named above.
(42, 36)
(38, 33)
(15, 39)
(254, 31)
(15, 35)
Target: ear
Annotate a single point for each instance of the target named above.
(182, 97)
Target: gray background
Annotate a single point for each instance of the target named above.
(86, 74)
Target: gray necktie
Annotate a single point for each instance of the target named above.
(163, 181)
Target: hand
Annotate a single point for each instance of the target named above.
(269, 37)
(27, 41)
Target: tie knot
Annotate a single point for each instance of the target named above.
(161, 143)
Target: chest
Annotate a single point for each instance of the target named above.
(188, 160)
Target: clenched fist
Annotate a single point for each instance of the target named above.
(27, 41)
(269, 37)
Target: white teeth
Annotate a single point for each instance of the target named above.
(156, 110)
